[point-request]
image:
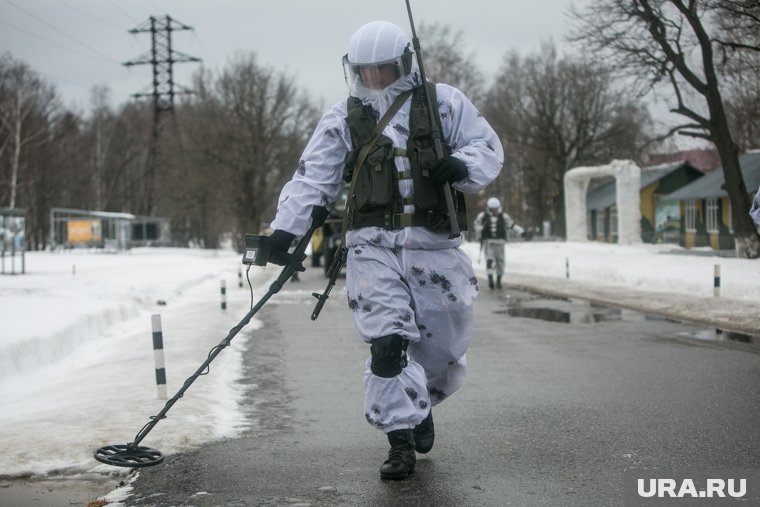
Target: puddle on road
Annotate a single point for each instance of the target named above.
(580, 316)
(721, 335)
(532, 305)
(578, 311)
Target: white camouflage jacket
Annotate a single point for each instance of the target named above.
(319, 176)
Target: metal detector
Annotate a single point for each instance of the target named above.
(258, 251)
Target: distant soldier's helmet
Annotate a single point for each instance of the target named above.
(376, 48)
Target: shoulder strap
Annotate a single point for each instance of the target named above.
(364, 152)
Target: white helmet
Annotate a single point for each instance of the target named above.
(493, 203)
(379, 55)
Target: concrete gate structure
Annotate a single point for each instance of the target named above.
(627, 186)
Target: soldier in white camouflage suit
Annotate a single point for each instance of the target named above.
(492, 229)
(410, 287)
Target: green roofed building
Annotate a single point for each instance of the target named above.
(660, 216)
(705, 209)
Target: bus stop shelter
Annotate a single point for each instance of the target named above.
(74, 228)
(12, 242)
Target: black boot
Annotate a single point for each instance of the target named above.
(490, 281)
(498, 282)
(424, 435)
(401, 457)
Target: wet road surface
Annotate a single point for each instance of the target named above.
(552, 413)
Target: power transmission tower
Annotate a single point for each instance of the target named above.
(162, 57)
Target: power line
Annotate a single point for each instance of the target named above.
(60, 31)
(115, 6)
(155, 7)
(56, 44)
(64, 81)
(85, 13)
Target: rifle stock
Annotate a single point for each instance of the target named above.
(332, 274)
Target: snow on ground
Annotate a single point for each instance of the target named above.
(76, 354)
(76, 358)
(663, 267)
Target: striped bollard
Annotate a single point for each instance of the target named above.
(567, 267)
(240, 278)
(716, 281)
(223, 290)
(158, 355)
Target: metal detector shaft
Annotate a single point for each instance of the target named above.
(435, 132)
(294, 264)
(212, 355)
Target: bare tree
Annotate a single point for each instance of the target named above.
(743, 106)
(24, 97)
(554, 113)
(445, 60)
(102, 127)
(674, 41)
(738, 41)
(738, 28)
(247, 127)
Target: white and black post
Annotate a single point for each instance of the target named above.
(567, 267)
(240, 278)
(158, 355)
(223, 290)
(716, 281)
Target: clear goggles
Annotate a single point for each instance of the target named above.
(365, 73)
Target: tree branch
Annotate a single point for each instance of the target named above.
(696, 134)
(736, 45)
(658, 31)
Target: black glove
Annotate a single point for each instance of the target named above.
(281, 240)
(449, 170)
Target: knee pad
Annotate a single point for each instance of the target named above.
(388, 355)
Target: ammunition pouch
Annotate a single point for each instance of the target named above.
(376, 200)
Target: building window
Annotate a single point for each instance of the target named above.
(690, 220)
(712, 217)
(589, 225)
(730, 217)
(600, 228)
(613, 221)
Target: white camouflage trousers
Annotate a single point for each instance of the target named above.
(425, 296)
(495, 256)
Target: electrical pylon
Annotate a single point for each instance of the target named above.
(162, 58)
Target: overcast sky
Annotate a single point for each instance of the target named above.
(80, 43)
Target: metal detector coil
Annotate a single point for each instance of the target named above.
(129, 455)
(258, 251)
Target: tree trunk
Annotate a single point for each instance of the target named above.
(560, 229)
(16, 156)
(747, 240)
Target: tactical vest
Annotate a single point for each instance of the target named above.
(501, 226)
(376, 200)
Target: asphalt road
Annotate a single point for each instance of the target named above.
(552, 413)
